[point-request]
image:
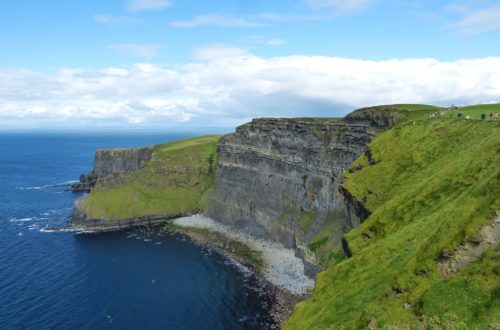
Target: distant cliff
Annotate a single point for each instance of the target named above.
(279, 178)
(148, 185)
(111, 161)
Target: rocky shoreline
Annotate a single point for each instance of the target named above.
(282, 301)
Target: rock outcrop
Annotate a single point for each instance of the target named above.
(471, 250)
(279, 178)
(112, 161)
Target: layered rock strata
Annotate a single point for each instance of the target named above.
(112, 161)
(279, 179)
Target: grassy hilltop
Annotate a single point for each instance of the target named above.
(174, 181)
(430, 185)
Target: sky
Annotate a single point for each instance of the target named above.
(184, 64)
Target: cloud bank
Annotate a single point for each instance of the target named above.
(223, 86)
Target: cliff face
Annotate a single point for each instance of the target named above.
(109, 161)
(112, 161)
(279, 179)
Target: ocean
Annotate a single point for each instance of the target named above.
(135, 279)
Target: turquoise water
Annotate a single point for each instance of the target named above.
(135, 279)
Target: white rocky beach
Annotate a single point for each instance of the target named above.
(282, 269)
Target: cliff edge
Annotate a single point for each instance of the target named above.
(147, 185)
(113, 161)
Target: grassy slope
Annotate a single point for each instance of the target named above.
(434, 184)
(174, 181)
(323, 245)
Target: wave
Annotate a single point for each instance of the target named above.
(54, 230)
(21, 220)
(57, 185)
(65, 230)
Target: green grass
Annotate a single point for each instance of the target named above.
(174, 181)
(309, 119)
(475, 111)
(433, 184)
(473, 296)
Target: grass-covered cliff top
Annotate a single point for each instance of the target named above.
(174, 181)
(430, 184)
(418, 111)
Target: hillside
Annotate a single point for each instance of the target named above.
(173, 181)
(430, 184)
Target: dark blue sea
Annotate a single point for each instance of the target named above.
(135, 279)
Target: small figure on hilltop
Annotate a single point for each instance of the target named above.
(491, 116)
(460, 114)
(483, 116)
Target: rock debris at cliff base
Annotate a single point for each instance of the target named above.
(283, 268)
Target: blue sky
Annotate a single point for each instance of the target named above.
(172, 63)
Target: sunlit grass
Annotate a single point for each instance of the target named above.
(432, 184)
(173, 182)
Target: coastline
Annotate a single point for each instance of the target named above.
(282, 302)
(279, 265)
(279, 273)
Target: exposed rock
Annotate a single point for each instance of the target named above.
(472, 250)
(408, 305)
(111, 161)
(376, 117)
(274, 173)
(86, 182)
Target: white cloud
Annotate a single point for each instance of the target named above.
(275, 42)
(114, 21)
(216, 20)
(140, 50)
(261, 40)
(343, 5)
(226, 86)
(291, 17)
(142, 5)
(476, 21)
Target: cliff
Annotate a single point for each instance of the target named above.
(112, 161)
(147, 185)
(279, 179)
(407, 198)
